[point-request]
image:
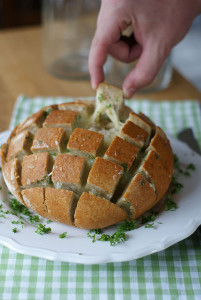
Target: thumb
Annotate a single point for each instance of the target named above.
(146, 69)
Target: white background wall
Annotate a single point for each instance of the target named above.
(187, 54)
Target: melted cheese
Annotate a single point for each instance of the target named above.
(109, 100)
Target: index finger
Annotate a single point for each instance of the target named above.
(97, 57)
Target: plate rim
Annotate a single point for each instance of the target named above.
(64, 256)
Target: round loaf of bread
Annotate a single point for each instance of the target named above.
(88, 164)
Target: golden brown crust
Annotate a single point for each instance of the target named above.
(51, 183)
(162, 147)
(139, 121)
(68, 169)
(34, 198)
(104, 176)
(34, 122)
(155, 169)
(122, 152)
(3, 153)
(49, 139)
(140, 194)
(65, 119)
(134, 134)
(60, 205)
(35, 169)
(11, 172)
(95, 212)
(85, 141)
(20, 145)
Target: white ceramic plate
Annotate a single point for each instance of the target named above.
(170, 227)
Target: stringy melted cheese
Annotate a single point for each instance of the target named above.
(108, 104)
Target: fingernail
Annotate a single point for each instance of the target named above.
(128, 92)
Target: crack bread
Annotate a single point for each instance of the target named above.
(89, 164)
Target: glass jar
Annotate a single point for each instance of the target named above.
(118, 71)
(68, 29)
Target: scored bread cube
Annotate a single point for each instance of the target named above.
(148, 120)
(65, 119)
(164, 137)
(95, 212)
(49, 108)
(20, 145)
(139, 121)
(134, 134)
(34, 122)
(122, 152)
(49, 139)
(61, 205)
(68, 171)
(78, 106)
(154, 169)
(138, 197)
(85, 142)
(162, 147)
(34, 198)
(104, 177)
(12, 171)
(36, 169)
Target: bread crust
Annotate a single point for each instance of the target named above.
(95, 212)
(85, 174)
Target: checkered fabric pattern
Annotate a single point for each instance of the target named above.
(174, 273)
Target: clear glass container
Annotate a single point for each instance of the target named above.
(118, 71)
(68, 29)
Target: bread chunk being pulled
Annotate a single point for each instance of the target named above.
(89, 164)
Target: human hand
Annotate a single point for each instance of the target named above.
(158, 26)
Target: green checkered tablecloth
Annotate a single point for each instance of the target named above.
(174, 273)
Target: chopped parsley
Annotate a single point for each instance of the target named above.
(170, 204)
(41, 229)
(17, 206)
(191, 167)
(176, 162)
(142, 182)
(100, 98)
(34, 219)
(149, 225)
(115, 238)
(40, 142)
(92, 234)
(108, 105)
(63, 235)
(147, 219)
(15, 229)
(18, 222)
(127, 226)
(176, 188)
(0, 188)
